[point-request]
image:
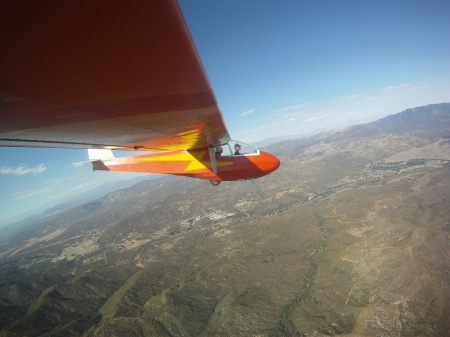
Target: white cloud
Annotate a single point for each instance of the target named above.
(291, 107)
(345, 98)
(56, 181)
(79, 164)
(317, 117)
(261, 127)
(49, 186)
(80, 186)
(298, 113)
(22, 169)
(247, 112)
(294, 107)
(350, 97)
(351, 114)
(272, 116)
(354, 113)
(415, 88)
(31, 193)
(74, 190)
(394, 89)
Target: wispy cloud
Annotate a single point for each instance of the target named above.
(76, 189)
(80, 186)
(298, 113)
(247, 112)
(317, 117)
(350, 97)
(278, 114)
(31, 193)
(79, 164)
(261, 127)
(354, 113)
(295, 107)
(291, 107)
(345, 98)
(351, 114)
(49, 186)
(56, 181)
(395, 89)
(22, 170)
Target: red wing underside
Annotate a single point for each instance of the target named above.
(105, 74)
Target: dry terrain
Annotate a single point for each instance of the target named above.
(349, 237)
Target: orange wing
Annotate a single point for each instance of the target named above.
(103, 73)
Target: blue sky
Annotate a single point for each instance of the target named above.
(278, 68)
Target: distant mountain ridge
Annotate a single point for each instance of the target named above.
(430, 117)
(433, 119)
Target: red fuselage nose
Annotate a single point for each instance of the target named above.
(267, 162)
(252, 166)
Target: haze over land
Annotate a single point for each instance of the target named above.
(350, 236)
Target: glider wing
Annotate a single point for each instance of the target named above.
(107, 74)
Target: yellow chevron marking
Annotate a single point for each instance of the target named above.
(195, 159)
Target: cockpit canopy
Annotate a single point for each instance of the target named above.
(235, 148)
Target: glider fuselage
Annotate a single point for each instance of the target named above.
(196, 164)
